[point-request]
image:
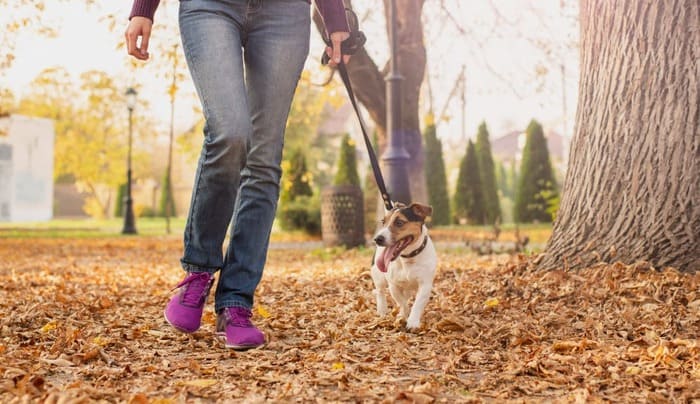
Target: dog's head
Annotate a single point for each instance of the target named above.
(400, 227)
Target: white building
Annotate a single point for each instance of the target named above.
(26, 168)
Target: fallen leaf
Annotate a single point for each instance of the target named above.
(200, 382)
(491, 302)
(262, 311)
(50, 326)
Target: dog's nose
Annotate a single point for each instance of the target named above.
(379, 240)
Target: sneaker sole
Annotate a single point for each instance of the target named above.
(222, 337)
(177, 327)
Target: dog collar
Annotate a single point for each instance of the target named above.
(417, 250)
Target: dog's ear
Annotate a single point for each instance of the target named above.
(421, 210)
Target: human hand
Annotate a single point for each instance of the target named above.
(138, 27)
(334, 53)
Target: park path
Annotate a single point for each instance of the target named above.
(82, 320)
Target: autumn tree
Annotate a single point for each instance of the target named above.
(537, 188)
(468, 198)
(90, 126)
(369, 85)
(492, 208)
(436, 177)
(633, 183)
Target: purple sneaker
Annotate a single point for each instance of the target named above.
(184, 311)
(233, 324)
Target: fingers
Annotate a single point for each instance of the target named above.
(331, 62)
(145, 37)
(336, 53)
(138, 27)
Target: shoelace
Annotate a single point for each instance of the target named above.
(239, 317)
(196, 284)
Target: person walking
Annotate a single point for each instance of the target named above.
(245, 58)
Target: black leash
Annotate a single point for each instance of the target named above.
(349, 47)
(370, 150)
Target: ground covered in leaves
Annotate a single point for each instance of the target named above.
(82, 321)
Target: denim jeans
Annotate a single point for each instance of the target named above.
(245, 58)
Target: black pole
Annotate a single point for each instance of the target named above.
(395, 156)
(129, 226)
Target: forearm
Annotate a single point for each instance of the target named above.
(333, 14)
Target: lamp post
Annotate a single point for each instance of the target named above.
(129, 226)
(395, 156)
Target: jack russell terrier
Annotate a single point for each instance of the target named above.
(405, 261)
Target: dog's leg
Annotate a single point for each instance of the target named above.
(422, 298)
(401, 300)
(380, 295)
(380, 286)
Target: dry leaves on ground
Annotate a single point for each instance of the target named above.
(82, 321)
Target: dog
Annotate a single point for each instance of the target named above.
(404, 262)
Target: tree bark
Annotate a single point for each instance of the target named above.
(369, 86)
(632, 190)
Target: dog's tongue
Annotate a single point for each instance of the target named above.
(386, 257)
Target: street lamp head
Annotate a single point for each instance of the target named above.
(131, 98)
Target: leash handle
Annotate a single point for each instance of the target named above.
(370, 150)
(352, 44)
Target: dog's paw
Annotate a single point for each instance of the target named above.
(382, 311)
(412, 324)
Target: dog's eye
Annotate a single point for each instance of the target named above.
(399, 222)
(382, 221)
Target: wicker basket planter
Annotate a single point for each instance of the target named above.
(342, 216)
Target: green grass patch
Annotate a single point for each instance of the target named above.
(86, 228)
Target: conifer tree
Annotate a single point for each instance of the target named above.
(436, 178)
(347, 164)
(491, 207)
(537, 188)
(468, 199)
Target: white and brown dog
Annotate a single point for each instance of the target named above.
(405, 261)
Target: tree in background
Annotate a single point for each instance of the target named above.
(435, 177)
(299, 208)
(502, 179)
(91, 132)
(296, 178)
(7, 102)
(166, 204)
(537, 188)
(118, 205)
(311, 104)
(347, 164)
(468, 197)
(369, 85)
(489, 189)
(633, 182)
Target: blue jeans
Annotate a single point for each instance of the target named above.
(245, 58)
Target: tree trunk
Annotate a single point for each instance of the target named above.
(632, 190)
(369, 86)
